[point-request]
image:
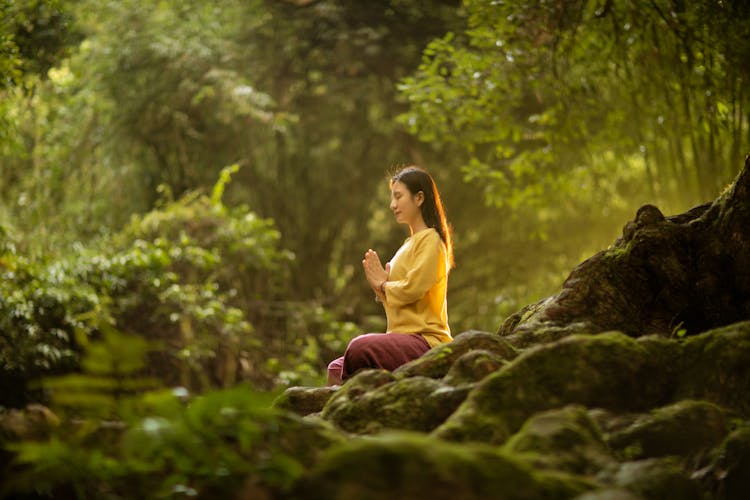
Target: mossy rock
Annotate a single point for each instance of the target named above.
(605, 370)
(658, 382)
(304, 400)
(609, 494)
(413, 466)
(473, 367)
(728, 474)
(305, 439)
(716, 367)
(564, 439)
(436, 362)
(538, 333)
(683, 429)
(654, 478)
(414, 403)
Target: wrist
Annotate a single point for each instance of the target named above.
(382, 286)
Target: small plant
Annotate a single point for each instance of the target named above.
(678, 331)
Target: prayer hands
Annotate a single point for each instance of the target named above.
(374, 270)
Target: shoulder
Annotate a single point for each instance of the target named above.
(429, 238)
(429, 235)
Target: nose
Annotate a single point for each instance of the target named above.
(393, 205)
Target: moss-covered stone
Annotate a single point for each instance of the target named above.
(716, 367)
(604, 370)
(473, 367)
(304, 400)
(305, 439)
(654, 478)
(728, 474)
(414, 403)
(564, 439)
(542, 332)
(658, 383)
(410, 466)
(683, 429)
(609, 494)
(436, 362)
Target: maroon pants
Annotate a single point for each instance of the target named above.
(376, 350)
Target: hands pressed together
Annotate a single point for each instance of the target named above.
(375, 273)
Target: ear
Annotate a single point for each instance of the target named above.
(419, 198)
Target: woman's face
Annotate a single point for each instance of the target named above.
(405, 206)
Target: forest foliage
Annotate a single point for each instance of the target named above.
(207, 175)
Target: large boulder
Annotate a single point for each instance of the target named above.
(414, 467)
(610, 371)
(606, 370)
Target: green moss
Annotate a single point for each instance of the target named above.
(473, 367)
(304, 400)
(437, 361)
(653, 478)
(535, 332)
(729, 467)
(684, 429)
(415, 403)
(716, 367)
(565, 439)
(604, 370)
(409, 466)
(609, 494)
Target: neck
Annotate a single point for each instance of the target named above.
(417, 226)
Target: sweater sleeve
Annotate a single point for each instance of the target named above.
(421, 277)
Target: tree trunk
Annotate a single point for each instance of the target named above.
(678, 275)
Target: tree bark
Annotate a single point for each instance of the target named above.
(678, 275)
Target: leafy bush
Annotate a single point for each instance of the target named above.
(122, 438)
(39, 306)
(190, 275)
(196, 274)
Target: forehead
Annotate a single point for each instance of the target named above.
(398, 187)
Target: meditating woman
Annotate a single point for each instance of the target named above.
(412, 286)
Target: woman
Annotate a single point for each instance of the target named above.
(412, 286)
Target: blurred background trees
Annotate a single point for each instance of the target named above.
(546, 124)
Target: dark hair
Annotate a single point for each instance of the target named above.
(417, 179)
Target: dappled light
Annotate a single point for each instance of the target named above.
(188, 188)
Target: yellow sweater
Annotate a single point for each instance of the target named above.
(415, 293)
